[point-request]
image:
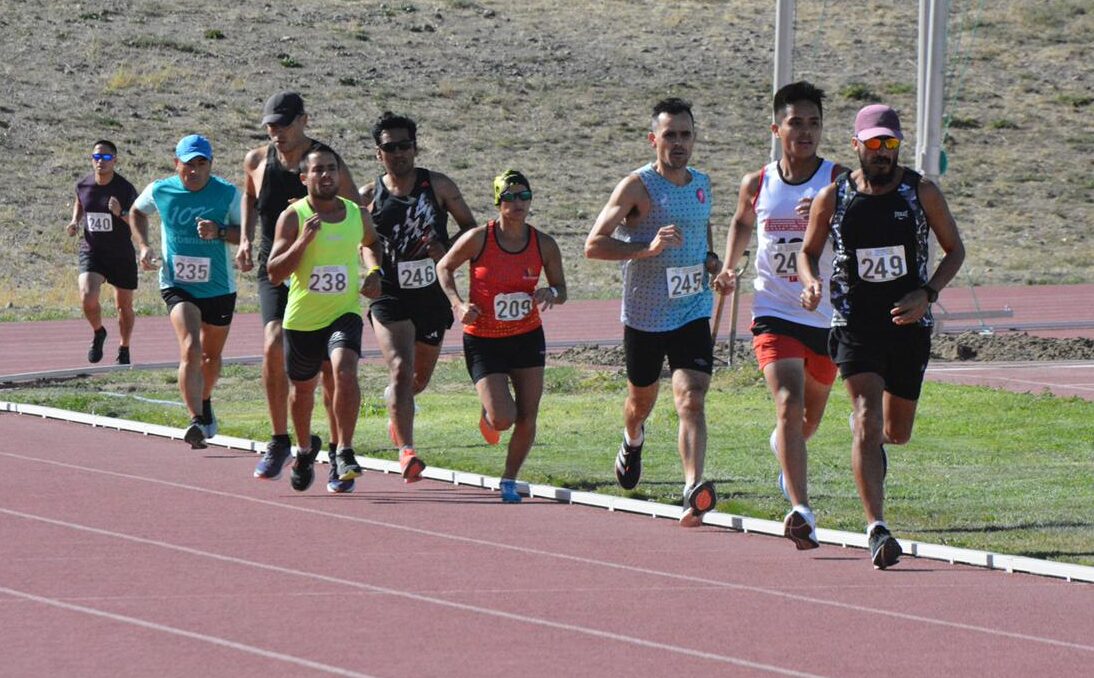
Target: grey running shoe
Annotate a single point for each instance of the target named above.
(885, 550)
(801, 529)
(697, 501)
(277, 453)
(334, 485)
(303, 467)
(195, 434)
(348, 468)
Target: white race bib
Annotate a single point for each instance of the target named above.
(100, 222)
(512, 307)
(684, 281)
(191, 269)
(415, 275)
(328, 280)
(784, 258)
(881, 264)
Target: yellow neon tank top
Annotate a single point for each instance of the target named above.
(325, 285)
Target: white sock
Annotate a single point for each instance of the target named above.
(634, 443)
(876, 523)
(804, 510)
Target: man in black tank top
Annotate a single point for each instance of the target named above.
(271, 183)
(410, 208)
(878, 217)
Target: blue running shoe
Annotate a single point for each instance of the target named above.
(273, 460)
(334, 485)
(509, 494)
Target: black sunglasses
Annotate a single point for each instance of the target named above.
(392, 146)
(102, 156)
(526, 194)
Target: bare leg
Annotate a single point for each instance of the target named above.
(396, 341)
(689, 390)
(528, 385)
(123, 299)
(90, 287)
(186, 321)
(274, 377)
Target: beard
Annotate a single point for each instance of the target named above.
(878, 171)
(326, 192)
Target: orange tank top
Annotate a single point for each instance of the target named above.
(502, 284)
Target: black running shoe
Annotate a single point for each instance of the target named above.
(334, 485)
(885, 550)
(95, 353)
(801, 529)
(697, 501)
(348, 468)
(195, 434)
(123, 355)
(303, 468)
(628, 464)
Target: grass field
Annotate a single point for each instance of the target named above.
(985, 469)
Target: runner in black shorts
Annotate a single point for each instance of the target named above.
(271, 182)
(410, 206)
(879, 218)
(106, 253)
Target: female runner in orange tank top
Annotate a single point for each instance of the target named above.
(503, 335)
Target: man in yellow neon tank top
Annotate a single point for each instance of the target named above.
(315, 246)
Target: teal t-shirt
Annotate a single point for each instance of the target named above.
(201, 268)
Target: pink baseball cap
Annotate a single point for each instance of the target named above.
(877, 120)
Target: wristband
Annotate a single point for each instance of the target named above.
(374, 269)
(222, 233)
(554, 292)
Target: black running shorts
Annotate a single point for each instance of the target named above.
(688, 348)
(430, 320)
(306, 351)
(214, 310)
(119, 271)
(899, 356)
(485, 355)
(272, 300)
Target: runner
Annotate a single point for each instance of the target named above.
(316, 248)
(103, 199)
(410, 206)
(272, 181)
(657, 222)
(503, 339)
(199, 215)
(879, 218)
(791, 343)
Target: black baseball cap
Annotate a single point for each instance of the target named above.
(282, 108)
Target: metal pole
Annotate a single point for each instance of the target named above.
(784, 55)
(932, 71)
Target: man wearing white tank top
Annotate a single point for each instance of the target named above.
(790, 342)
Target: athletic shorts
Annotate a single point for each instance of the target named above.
(899, 357)
(485, 355)
(688, 347)
(121, 272)
(431, 321)
(272, 300)
(214, 310)
(307, 350)
(778, 339)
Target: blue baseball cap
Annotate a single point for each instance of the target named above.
(192, 146)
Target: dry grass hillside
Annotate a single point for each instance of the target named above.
(558, 90)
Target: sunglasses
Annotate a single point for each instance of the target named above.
(392, 146)
(102, 156)
(510, 197)
(890, 143)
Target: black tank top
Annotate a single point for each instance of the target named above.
(104, 233)
(880, 247)
(280, 185)
(406, 224)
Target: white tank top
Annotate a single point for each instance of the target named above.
(779, 232)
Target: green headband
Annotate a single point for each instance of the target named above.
(505, 180)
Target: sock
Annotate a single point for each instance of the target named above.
(206, 411)
(876, 523)
(634, 443)
(282, 438)
(196, 420)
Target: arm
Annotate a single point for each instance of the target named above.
(555, 291)
(913, 306)
(252, 167)
(463, 250)
(816, 233)
(449, 197)
(138, 225)
(72, 228)
(740, 232)
(230, 230)
(371, 258)
(289, 244)
(629, 199)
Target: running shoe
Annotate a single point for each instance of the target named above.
(884, 454)
(273, 460)
(491, 436)
(509, 494)
(123, 355)
(334, 485)
(303, 467)
(348, 468)
(800, 527)
(781, 481)
(95, 352)
(628, 463)
(210, 427)
(698, 500)
(195, 434)
(411, 465)
(885, 550)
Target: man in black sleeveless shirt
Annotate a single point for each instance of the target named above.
(879, 218)
(272, 181)
(410, 207)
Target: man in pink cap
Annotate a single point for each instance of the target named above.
(879, 217)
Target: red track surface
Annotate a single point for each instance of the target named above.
(134, 556)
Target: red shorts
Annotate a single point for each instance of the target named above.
(771, 347)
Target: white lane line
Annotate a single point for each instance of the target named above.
(573, 628)
(175, 631)
(578, 559)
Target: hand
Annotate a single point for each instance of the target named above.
(713, 263)
(667, 236)
(467, 313)
(802, 208)
(544, 297)
(72, 228)
(811, 296)
(910, 308)
(370, 286)
(725, 282)
(147, 259)
(207, 229)
(311, 229)
(114, 206)
(435, 250)
(243, 256)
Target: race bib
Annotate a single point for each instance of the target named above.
(512, 307)
(881, 264)
(328, 280)
(415, 275)
(191, 269)
(99, 222)
(784, 258)
(684, 281)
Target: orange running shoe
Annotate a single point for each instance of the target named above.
(488, 433)
(412, 466)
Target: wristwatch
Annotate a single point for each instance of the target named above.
(932, 294)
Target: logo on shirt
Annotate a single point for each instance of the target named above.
(530, 274)
(902, 214)
(701, 195)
